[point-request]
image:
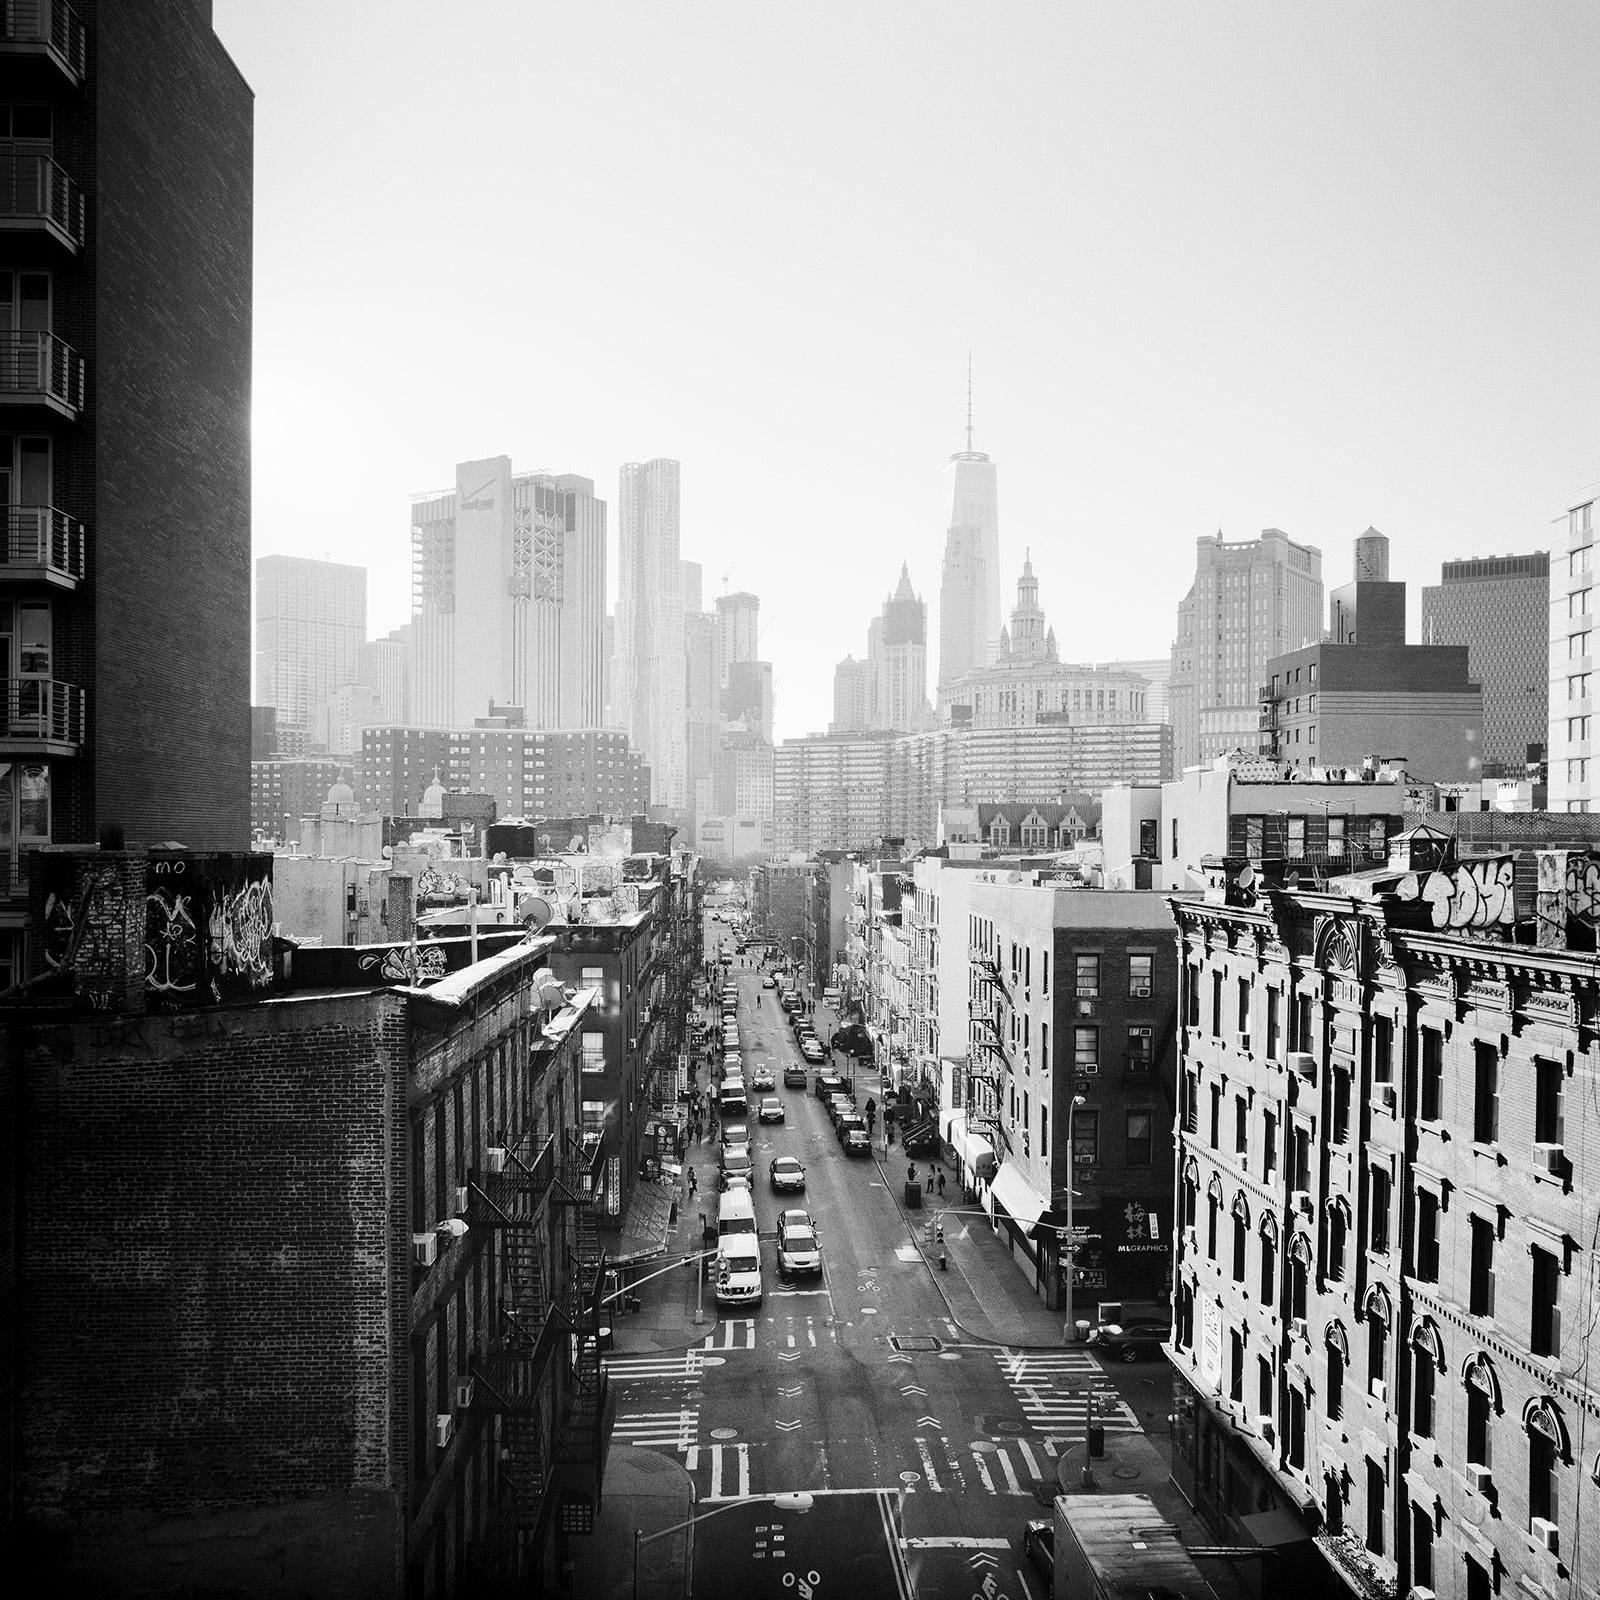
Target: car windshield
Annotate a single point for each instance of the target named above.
(799, 1239)
(786, 1164)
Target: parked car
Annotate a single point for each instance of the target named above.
(787, 1173)
(761, 1078)
(798, 1250)
(736, 1166)
(1133, 1341)
(734, 1133)
(854, 1137)
(1039, 1546)
(791, 1002)
(828, 1083)
(794, 1076)
(770, 1109)
(812, 1050)
(840, 1106)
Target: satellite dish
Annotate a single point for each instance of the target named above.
(536, 912)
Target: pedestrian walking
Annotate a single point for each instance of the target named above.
(694, 1182)
(930, 1180)
(911, 1172)
(941, 1183)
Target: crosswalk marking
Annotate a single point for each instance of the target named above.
(738, 1333)
(719, 1453)
(683, 1365)
(930, 1474)
(675, 1429)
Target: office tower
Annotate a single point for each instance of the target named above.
(1572, 649)
(703, 701)
(737, 632)
(969, 587)
(852, 696)
(608, 654)
(652, 692)
(1499, 608)
(1159, 675)
(125, 460)
(508, 598)
(1250, 600)
(383, 665)
(747, 700)
(1372, 557)
(898, 650)
(311, 621)
(693, 581)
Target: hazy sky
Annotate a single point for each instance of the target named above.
(1305, 266)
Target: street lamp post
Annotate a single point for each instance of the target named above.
(799, 1502)
(1072, 1238)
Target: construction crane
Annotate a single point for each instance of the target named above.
(728, 574)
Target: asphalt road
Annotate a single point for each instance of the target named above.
(922, 1448)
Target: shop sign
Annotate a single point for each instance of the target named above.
(1211, 1342)
(1134, 1226)
(613, 1185)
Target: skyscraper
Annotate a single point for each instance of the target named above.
(852, 696)
(509, 578)
(1499, 608)
(1574, 754)
(125, 460)
(311, 622)
(652, 689)
(1250, 601)
(898, 651)
(969, 588)
(738, 628)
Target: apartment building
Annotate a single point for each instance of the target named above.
(1384, 1232)
(1572, 652)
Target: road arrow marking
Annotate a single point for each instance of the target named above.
(981, 1558)
(912, 1388)
(929, 1422)
(789, 1394)
(788, 1355)
(906, 1359)
(787, 1427)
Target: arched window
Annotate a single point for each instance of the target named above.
(1213, 1211)
(1241, 1234)
(1191, 1191)
(1424, 1376)
(1378, 1316)
(1483, 1401)
(1299, 1274)
(1338, 1359)
(1547, 1450)
(1338, 1238)
(1269, 1258)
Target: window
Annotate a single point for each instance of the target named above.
(1264, 1386)
(1299, 1275)
(1190, 1110)
(1338, 1232)
(1269, 1146)
(1141, 1048)
(1086, 1051)
(1300, 1022)
(1544, 1460)
(1139, 1139)
(1431, 1094)
(1296, 847)
(1241, 1126)
(1545, 1335)
(1274, 1000)
(1235, 1364)
(1216, 1005)
(1139, 974)
(1336, 1359)
(1423, 1374)
(1577, 689)
(1191, 1195)
(1241, 1230)
(1341, 1107)
(594, 1053)
(1378, 1210)
(1577, 645)
(1480, 1289)
(1336, 836)
(1085, 1138)
(1269, 1267)
(1479, 1406)
(1382, 1049)
(1300, 1158)
(1044, 1132)
(1421, 1547)
(1547, 1110)
(1485, 1094)
(1377, 1351)
(1244, 1005)
(1216, 1116)
(1088, 977)
(1213, 1210)
(1427, 1263)
(593, 978)
(1377, 838)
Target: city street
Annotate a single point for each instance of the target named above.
(926, 1448)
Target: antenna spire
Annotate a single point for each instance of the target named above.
(969, 402)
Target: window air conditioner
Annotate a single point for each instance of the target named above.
(1379, 1390)
(464, 1387)
(1267, 1429)
(1385, 1096)
(1086, 1008)
(1417, 1592)
(1544, 1532)
(1297, 1328)
(1479, 1479)
(1551, 1158)
(1141, 991)
(1300, 1201)
(494, 1158)
(424, 1249)
(461, 1199)
(1244, 1042)
(1302, 1063)
(443, 1426)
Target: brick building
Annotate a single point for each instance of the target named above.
(125, 384)
(306, 1279)
(1384, 1243)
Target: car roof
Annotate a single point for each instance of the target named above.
(778, 1161)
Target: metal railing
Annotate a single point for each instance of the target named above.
(42, 709)
(41, 536)
(40, 364)
(35, 188)
(52, 24)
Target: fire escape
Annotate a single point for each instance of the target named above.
(537, 1372)
(987, 1056)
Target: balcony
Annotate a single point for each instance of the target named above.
(37, 196)
(40, 370)
(48, 29)
(42, 545)
(41, 717)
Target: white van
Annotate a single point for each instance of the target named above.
(738, 1270)
(736, 1213)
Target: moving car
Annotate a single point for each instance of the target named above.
(761, 1078)
(787, 1173)
(738, 1264)
(794, 1076)
(769, 982)
(770, 1109)
(1133, 1341)
(798, 1251)
(1039, 1546)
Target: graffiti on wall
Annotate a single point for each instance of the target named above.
(207, 929)
(240, 935)
(436, 888)
(1470, 894)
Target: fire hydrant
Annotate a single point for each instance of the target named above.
(944, 1260)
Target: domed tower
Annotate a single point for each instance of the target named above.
(340, 801)
(1028, 641)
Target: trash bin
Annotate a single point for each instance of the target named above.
(1081, 1330)
(605, 1338)
(913, 1195)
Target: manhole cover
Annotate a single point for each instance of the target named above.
(713, 1361)
(1011, 1427)
(910, 1477)
(985, 1446)
(869, 1311)
(949, 1355)
(1127, 1474)
(914, 1341)
(724, 1433)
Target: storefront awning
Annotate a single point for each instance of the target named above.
(977, 1155)
(1016, 1194)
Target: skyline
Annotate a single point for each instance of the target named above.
(1226, 267)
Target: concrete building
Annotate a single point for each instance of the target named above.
(1498, 607)
(508, 598)
(830, 793)
(1158, 677)
(852, 697)
(781, 904)
(1250, 601)
(384, 666)
(737, 622)
(1384, 1231)
(897, 653)
(651, 690)
(311, 622)
(702, 699)
(969, 584)
(125, 384)
(283, 791)
(1572, 688)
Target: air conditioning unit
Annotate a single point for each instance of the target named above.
(1544, 1532)
(424, 1249)
(1551, 1158)
(1267, 1428)
(461, 1199)
(1300, 1201)
(443, 1426)
(1297, 1327)
(1417, 1592)
(633, 1044)
(1379, 1390)
(1086, 1008)
(1302, 1063)
(494, 1158)
(1385, 1097)
(1141, 991)
(1244, 1043)
(1089, 1069)
(1479, 1479)
(464, 1388)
